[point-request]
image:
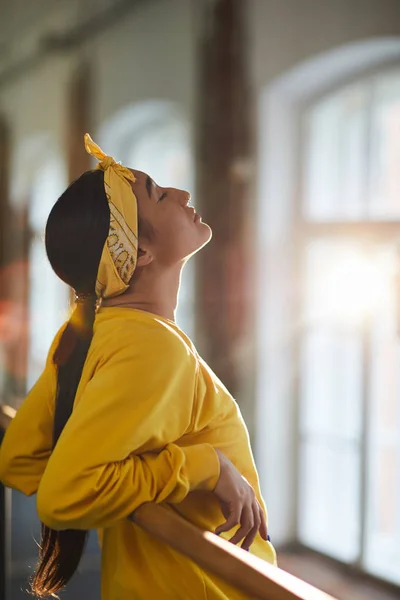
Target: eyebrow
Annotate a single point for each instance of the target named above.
(149, 185)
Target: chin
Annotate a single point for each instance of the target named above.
(207, 231)
(204, 237)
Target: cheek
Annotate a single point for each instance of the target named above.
(175, 236)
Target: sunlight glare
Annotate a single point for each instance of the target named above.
(355, 287)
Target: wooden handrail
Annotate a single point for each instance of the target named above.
(7, 413)
(255, 577)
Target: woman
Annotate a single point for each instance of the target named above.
(150, 420)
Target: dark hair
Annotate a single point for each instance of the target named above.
(76, 231)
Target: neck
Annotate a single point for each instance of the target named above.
(152, 290)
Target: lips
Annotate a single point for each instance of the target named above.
(195, 216)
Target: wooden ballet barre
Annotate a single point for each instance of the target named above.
(7, 413)
(257, 578)
(248, 573)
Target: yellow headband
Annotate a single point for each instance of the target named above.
(118, 260)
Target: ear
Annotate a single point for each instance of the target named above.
(144, 257)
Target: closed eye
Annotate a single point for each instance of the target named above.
(164, 195)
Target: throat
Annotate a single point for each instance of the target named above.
(154, 308)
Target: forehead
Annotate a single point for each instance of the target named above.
(139, 186)
(141, 178)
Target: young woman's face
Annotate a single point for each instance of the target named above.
(178, 230)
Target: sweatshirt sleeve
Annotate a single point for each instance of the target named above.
(27, 442)
(118, 448)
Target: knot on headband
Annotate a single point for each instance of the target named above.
(119, 256)
(105, 161)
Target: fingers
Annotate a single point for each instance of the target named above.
(252, 520)
(249, 539)
(260, 525)
(263, 525)
(225, 509)
(247, 524)
(232, 521)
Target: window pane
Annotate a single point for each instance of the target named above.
(385, 149)
(344, 283)
(331, 388)
(350, 289)
(331, 398)
(382, 551)
(329, 495)
(335, 156)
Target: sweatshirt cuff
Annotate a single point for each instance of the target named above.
(202, 466)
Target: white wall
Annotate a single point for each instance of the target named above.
(287, 32)
(35, 109)
(297, 50)
(147, 56)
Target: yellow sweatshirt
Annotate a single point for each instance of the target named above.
(148, 415)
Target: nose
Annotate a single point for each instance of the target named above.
(181, 196)
(185, 198)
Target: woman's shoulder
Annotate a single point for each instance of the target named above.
(153, 338)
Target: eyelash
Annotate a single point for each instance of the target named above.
(162, 197)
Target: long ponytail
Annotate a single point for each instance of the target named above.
(75, 235)
(76, 232)
(61, 551)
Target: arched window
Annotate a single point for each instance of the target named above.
(328, 379)
(155, 138)
(349, 349)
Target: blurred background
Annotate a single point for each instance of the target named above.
(283, 119)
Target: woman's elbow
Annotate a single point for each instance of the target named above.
(6, 468)
(49, 510)
(59, 506)
(53, 507)
(21, 479)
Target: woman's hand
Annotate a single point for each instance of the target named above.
(239, 505)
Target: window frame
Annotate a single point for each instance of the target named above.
(304, 230)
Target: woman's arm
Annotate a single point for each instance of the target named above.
(26, 446)
(117, 450)
(27, 443)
